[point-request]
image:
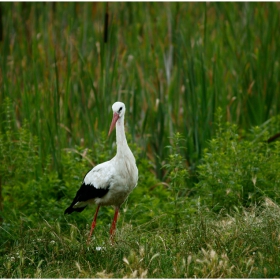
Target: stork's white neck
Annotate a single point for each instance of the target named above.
(121, 139)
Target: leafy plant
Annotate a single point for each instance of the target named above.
(177, 175)
(236, 171)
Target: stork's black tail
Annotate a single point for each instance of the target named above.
(70, 209)
(85, 193)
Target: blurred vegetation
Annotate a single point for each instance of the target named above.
(173, 64)
(201, 86)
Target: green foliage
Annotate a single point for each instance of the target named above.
(177, 175)
(172, 71)
(46, 196)
(244, 244)
(18, 151)
(237, 171)
(159, 227)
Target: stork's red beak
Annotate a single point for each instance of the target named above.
(113, 123)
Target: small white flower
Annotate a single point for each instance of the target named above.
(99, 248)
(52, 242)
(12, 259)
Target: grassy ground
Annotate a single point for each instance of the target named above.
(173, 65)
(242, 245)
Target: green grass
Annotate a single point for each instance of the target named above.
(165, 230)
(201, 85)
(242, 245)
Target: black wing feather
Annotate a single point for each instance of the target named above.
(86, 192)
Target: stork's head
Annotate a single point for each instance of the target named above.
(118, 112)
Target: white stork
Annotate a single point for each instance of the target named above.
(109, 183)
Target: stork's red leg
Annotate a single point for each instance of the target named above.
(113, 227)
(93, 223)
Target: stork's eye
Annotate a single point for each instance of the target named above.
(120, 109)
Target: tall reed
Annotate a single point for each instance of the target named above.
(173, 64)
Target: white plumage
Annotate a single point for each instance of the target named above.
(109, 183)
